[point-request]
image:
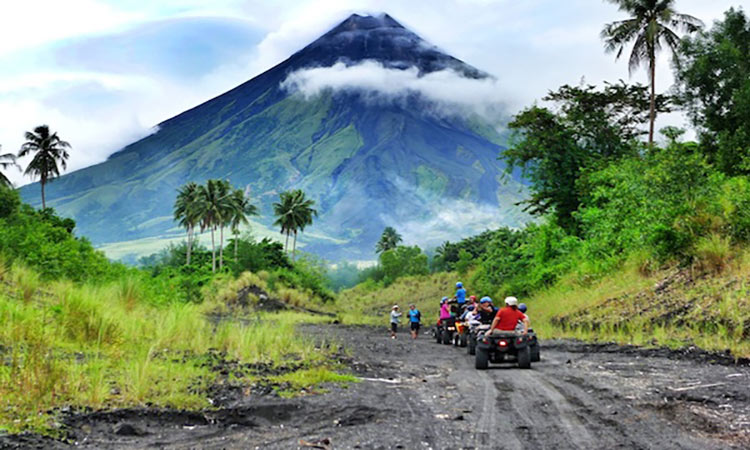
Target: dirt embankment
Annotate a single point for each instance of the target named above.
(419, 394)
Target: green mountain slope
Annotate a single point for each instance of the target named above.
(366, 164)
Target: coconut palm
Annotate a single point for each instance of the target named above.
(48, 149)
(242, 208)
(283, 212)
(187, 211)
(7, 160)
(649, 28)
(303, 213)
(212, 210)
(225, 212)
(388, 240)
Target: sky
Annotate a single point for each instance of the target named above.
(104, 73)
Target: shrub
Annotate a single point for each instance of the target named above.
(713, 252)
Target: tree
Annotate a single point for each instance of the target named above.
(388, 240)
(187, 211)
(7, 160)
(403, 261)
(225, 212)
(48, 149)
(283, 212)
(213, 209)
(648, 28)
(587, 127)
(713, 83)
(294, 211)
(242, 207)
(303, 213)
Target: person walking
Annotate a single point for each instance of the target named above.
(395, 315)
(415, 320)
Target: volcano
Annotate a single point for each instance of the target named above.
(367, 163)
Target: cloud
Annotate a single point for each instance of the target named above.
(448, 90)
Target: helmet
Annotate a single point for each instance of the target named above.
(459, 285)
(522, 307)
(485, 300)
(473, 298)
(395, 307)
(511, 301)
(444, 299)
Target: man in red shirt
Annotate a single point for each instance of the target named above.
(507, 318)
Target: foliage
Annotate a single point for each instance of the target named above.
(388, 240)
(6, 160)
(649, 28)
(46, 242)
(403, 261)
(294, 211)
(714, 84)
(555, 147)
(48, 150)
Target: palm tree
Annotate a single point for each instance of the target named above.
(648, 28)
(48, 149)
(283, 212)
(213, 206)
(302, 213)
(242, 207)
(388, 240)
(7, 160)
(187, 211)
(225, 213)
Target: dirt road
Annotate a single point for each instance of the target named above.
(423, 395)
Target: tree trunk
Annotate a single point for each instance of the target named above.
(189, 243)
(221, 247)
(294, 246)
(286, 243)
(236, 239)
(44, 204)
(653, 100)
(213, 251)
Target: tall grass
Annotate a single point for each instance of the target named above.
(109, 345)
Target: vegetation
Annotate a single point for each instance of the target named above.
(6, 160)
(648, 29)
(49, 151)
(388, 240)
(294, 211)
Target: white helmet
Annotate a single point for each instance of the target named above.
(511, 301)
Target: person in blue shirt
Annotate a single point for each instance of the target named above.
(460, 294)
(415, 320)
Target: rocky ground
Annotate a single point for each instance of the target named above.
(423, 395)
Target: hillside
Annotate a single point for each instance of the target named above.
(367, 164)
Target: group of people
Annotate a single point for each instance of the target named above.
(512, 317)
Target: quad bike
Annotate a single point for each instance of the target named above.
(476, 330)
(461, 337)
(497, 347)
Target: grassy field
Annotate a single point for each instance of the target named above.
(105, 346)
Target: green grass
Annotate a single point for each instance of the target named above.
(109, 345)
(310, 378)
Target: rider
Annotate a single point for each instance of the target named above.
(519, 325)
(473, 301)
(507, 318)
(445, 309)
(460, 294)
(487, 312)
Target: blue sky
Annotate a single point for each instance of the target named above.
(103, 73)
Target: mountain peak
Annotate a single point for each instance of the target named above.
(356, 22)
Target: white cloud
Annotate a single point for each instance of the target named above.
(448, 90)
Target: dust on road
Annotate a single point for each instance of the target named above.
(423, 395)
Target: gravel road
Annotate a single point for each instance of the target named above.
(423, 395)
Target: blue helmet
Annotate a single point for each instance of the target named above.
(522, 307)
(485, 300)
(445, 299)
(459, 285)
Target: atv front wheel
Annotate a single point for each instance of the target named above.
(462, 340)
(481, 359)
(447, 337)
(438, 335)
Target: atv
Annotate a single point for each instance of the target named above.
(534, 346)
(461, 337)
(476, 330)
(497, 347)
(446, 330)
